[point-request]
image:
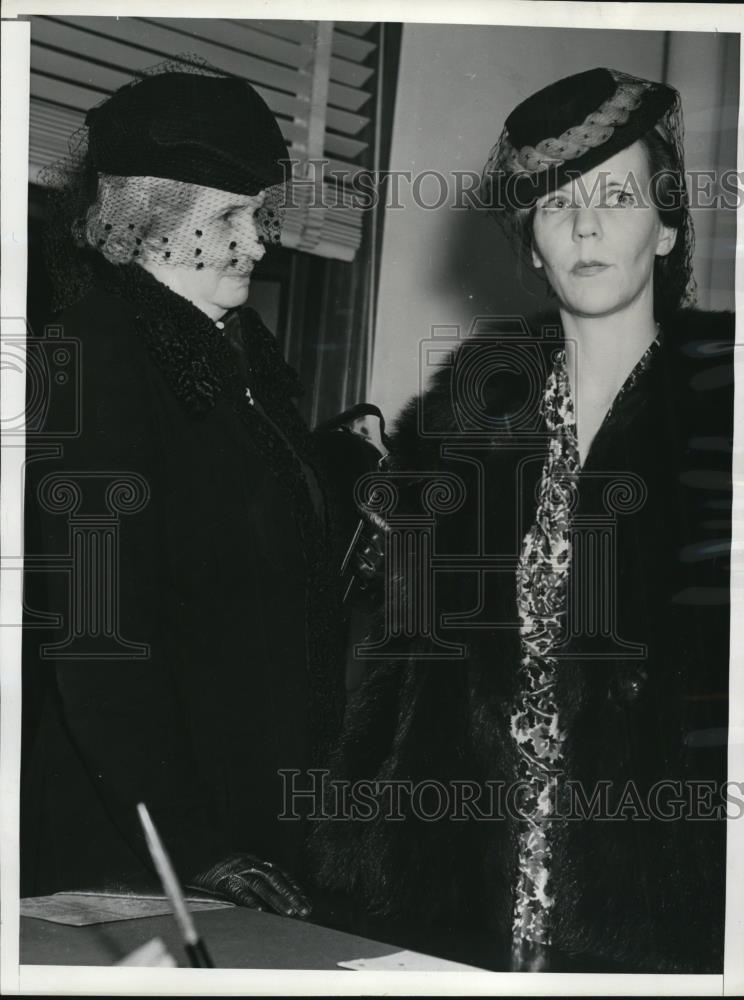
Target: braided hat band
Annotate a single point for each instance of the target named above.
(573, 126)
(596, 129)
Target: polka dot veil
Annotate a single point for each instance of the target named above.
(153, 219)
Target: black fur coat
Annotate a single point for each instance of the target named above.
(643, 703)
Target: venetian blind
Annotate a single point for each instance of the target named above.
(314, 75)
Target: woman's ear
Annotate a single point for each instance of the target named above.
(536, 261)
(666, 241)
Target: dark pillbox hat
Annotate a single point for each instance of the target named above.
(567, 104)
(209, 130)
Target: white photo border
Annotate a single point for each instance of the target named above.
(62, 980)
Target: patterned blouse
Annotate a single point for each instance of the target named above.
(542, 575)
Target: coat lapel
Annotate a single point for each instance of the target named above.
(197, 361)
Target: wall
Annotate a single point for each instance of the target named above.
(456, 86)
(705, 69)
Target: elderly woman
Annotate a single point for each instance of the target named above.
(200, 659)
(578, 741)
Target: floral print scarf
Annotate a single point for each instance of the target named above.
(542, 577)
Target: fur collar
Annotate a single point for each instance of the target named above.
(695, 345)
(191, 352)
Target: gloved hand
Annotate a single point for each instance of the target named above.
(352, 444)
(364, 562)
(260, 885)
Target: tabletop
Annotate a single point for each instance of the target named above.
(237, 938)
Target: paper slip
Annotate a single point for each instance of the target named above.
(78, 909)
(151, 955)
(407, 961)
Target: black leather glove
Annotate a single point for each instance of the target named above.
(260, 885)
(364, 564)
(352, 444)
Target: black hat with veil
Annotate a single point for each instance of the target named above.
(576, 124)
(181, 130)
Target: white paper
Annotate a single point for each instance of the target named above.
(78, 909)
(406, 961)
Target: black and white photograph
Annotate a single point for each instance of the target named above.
(371, 504)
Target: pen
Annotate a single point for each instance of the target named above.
(195, 948)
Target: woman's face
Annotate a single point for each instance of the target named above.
(222, 227)
(597, 237)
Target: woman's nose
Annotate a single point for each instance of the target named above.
(250, 237)
(257, 249)
(586, 223)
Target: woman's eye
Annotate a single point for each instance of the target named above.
(621, 199)
(556, 203)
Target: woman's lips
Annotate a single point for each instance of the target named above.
(588, 268)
